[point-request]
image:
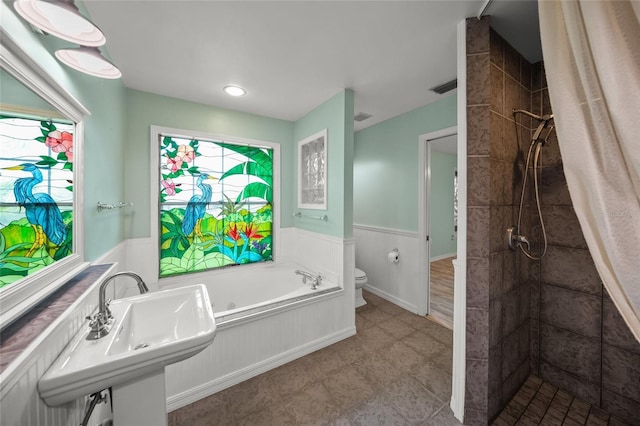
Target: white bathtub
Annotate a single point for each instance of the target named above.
(262, 290)
(247, 292)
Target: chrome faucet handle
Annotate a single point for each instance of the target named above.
(107, 310)
(316, 282)
(95, 321)
(99, 325)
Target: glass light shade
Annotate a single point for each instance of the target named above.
(234, 90)
(61, 19)
(89, 61)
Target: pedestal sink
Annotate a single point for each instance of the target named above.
(150, 331)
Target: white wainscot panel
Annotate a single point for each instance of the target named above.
(396, 282)
(246, 350)
(318, 252)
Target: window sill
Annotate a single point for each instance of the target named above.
(16, 338)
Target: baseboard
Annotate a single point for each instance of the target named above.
(206, 389)
(443, 256)
(393, 299)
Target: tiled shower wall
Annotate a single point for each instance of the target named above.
(551, 317)
(579, 341)
(499, 80)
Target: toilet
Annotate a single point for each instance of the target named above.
(360, 281)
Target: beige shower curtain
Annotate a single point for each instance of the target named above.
(591, 53)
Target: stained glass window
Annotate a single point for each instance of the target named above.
(216, 202)
(36, 194)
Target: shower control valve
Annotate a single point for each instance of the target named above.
(512, 238)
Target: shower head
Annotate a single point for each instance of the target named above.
(544, 125)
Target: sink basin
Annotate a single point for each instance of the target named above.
(150, 331)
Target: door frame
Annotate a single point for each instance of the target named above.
(424, 190)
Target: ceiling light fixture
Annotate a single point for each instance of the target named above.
(234, 90)
(89, 61)
(60, 18)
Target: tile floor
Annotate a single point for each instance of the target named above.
(395, 371)
(540, 403)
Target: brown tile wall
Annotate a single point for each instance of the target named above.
(550, 317)
(579, 342)
(499, 80)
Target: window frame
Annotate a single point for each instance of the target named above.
(21, 296)
(155, 133)
(325, 156)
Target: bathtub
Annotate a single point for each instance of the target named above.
(266, 316)
(256, 290)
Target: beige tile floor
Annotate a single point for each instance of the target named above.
(395, 371)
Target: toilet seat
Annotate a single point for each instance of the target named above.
(360, 276)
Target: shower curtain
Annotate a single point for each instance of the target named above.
(591, 53)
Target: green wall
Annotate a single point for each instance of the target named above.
(385, 170)
(104, 132)
(146, 109)
(13, 92)
(441, 204)
(335, 115)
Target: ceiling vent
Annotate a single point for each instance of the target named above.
(361, 116)
(444, 88)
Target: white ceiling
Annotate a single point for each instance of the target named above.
(291, 56)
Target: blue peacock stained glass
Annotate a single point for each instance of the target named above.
(36, 194)
(216, 201)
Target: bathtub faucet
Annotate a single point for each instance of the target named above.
(102, 321)
(315, 279)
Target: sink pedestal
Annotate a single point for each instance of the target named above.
(141, 401)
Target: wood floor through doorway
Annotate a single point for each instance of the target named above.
(441, 292)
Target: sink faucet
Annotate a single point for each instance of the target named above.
(315, 279)
(102, 321)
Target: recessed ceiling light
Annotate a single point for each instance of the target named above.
(62, 19)
(234, 90)
(89, 61)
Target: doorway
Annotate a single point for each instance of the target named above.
(439, 224)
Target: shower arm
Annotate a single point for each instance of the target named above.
(544, 122)
(545, 117)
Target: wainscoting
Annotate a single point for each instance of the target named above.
(395, 282)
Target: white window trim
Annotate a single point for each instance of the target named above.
(154, 180)
(20, 297)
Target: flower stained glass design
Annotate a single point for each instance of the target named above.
(216, 202)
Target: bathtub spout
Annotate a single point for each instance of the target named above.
(315, 279)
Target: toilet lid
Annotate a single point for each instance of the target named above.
(360, 273)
